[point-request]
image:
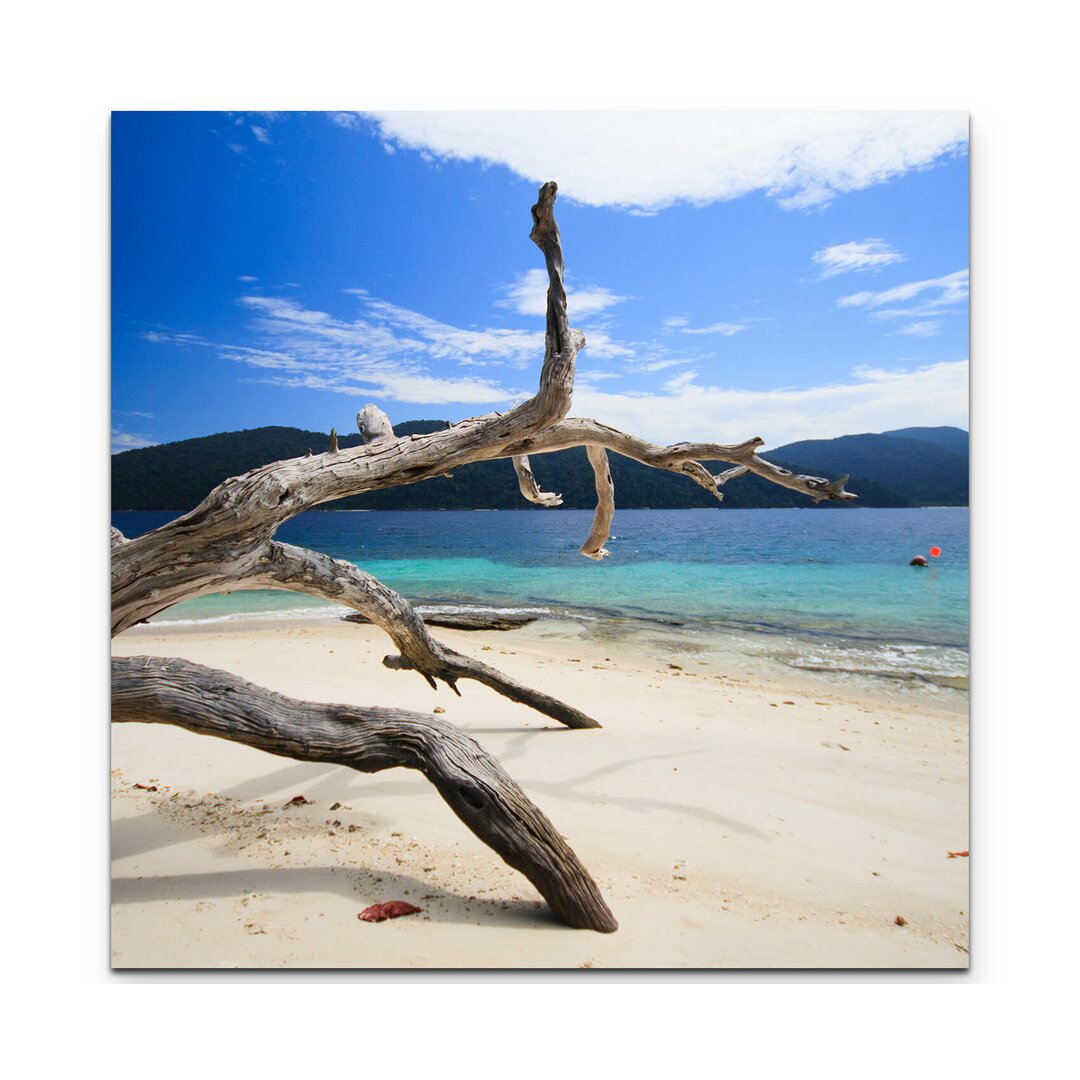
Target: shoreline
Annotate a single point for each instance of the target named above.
(773, 646)
(734, 814)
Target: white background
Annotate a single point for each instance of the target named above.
(65, 66)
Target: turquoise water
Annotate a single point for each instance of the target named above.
(834, 585)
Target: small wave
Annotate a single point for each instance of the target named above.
(946, 667)
(327, 612)
(952, 682)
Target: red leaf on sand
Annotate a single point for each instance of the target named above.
(390, 910)
(957, 854)
(297, 800)
(146, 787)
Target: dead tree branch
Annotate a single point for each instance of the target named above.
(227, 543)
(593, 548)
(310, 572)
(530, 488)
(166, 691)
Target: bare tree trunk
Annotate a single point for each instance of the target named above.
(227, 543)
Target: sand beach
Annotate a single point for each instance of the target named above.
(734, 814)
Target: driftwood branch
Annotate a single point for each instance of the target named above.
(593, 548)
(374, 424)
(287, 567)
(684, 458)
(474, 785)
(530, 488)
(227, 542)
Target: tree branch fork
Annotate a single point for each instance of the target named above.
(227, 542)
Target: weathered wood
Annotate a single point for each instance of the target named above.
(593, 548)
(464, 620)
(684, 458)
(374, 424)
(530, 488)
(286, 567)
(227, 543)
(168, 691)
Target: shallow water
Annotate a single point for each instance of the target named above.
(819, 589)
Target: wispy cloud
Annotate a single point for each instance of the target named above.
(260, 133)
(724, 329)
(938, 296)
(167, 337)
(387, 353)
(527, 295)
(871, 399)
(919, 329)
(125, 440)
(646, 161)
(856, 256)
(247, 278)
(349, 120)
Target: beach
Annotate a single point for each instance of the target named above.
(735, 813)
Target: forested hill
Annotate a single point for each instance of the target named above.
(908, 467)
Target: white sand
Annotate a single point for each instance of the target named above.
(725, 826)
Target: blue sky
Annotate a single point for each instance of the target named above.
(791, 275)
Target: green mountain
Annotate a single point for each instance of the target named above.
(909, 467)
(913, 466)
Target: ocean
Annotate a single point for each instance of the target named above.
(818, 589)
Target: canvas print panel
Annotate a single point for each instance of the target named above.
(540, 540)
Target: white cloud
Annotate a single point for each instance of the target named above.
(260, 134)
(349, 121)
(871, 399)
(725, 329)
(124, 440)
(389, 352)
(393, 386)
(247, 278)
(236, 148)
(660, 365)
(920, 329)
(946, 292)
(165, 337)
(856, 255)
(646, 161)
(528, 296)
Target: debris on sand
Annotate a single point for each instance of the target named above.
(392, 909)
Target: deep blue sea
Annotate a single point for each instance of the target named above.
(832, 588)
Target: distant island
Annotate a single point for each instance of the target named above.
(916, 466)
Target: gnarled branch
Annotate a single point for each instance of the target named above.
(682, 458)
(299, 570)
(593, 548)
(226, 542)
(530, 488)
(474, 785)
